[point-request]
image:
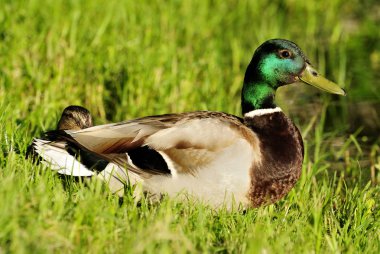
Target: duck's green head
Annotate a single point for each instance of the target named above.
(276, 63)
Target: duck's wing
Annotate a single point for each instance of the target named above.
(166, 144)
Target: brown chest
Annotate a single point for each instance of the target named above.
(281, 149)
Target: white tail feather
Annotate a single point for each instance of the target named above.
(59, 159)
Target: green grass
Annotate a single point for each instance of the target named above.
(125, 59)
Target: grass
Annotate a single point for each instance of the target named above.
(124, 59)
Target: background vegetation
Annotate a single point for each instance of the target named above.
(124, 59)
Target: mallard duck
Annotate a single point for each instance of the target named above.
(75, 118)
(215, 157)
(72, 118)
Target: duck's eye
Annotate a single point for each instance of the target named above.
(285, 53)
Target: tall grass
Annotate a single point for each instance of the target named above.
(125, 59)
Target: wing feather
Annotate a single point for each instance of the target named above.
(190, 140)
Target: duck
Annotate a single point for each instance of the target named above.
(214, 157)
(75, 117)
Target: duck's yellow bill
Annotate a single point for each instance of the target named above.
(312, 77)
